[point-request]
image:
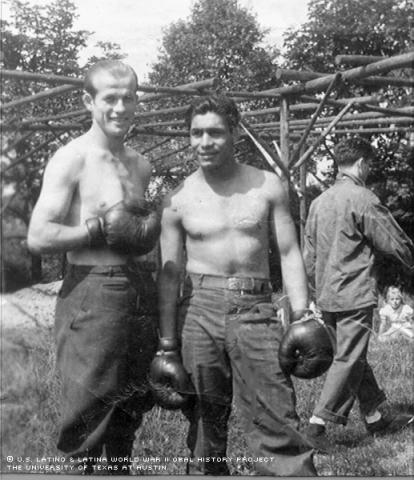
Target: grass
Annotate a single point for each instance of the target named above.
(30, 392)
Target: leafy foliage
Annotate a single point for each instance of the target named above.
(220, 39)
(340, 27)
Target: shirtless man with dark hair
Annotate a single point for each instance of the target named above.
(223, 216)
(92, 206)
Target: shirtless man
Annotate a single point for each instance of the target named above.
(91, 206)
(223, 216)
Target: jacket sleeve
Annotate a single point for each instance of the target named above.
(386, 236)
(309, 252)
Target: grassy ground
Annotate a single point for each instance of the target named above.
(30, 392)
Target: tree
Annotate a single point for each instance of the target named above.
(338, 27)
(220, 39)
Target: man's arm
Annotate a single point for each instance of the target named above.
(386, 236)
(47, 232)
(293, 270)
(309, 252)
(172, 243)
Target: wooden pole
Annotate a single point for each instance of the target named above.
(376, 68)
(192, 88)
(356, 60)
(163, 111)
(284, 134)
(53, 118)
(51, 92)
(195, 86)
(40, 77)
(170, 123)
(405, 112)
(387, 82)
(153, 147)
(315, 116)
(363, 131)
(302, 201)
(376, 81)
(311, 106)
(311, 149)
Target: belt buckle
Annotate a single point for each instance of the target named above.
(242, 284)
(234, 283)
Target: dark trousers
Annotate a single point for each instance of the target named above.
(104, 347)
(350, 377)
(230, 341)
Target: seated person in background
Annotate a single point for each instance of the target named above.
(396, 315)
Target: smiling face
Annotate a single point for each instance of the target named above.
(114, 103)
(212, 141)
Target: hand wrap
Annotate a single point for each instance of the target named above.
(306, 349)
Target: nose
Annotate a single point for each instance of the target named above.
(205, 140)
(119, 106)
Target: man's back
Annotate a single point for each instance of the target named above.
(346, 225)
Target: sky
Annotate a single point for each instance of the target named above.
(136, 25)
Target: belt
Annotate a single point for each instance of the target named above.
(241, 284)
(107, 270)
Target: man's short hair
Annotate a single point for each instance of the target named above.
(223, 106)
(350, 150)
(115, 68)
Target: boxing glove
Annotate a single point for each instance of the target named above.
(306, 349)
(125, 229)
(168, 380)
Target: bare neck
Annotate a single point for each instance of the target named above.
(115, 144)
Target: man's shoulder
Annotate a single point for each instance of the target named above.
(72, 152)
(266, 181)
(346, 191)
(138, 159)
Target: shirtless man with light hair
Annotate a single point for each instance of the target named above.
(91, 206)
(221, 220)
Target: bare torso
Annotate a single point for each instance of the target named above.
(226, 224)
(103, 180)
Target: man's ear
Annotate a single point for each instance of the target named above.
(236, 133)
(87, 100)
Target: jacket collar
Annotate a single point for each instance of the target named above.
(348, 176)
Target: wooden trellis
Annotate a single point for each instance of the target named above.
(291, 127)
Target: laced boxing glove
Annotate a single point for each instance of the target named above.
(306, 349)
(125, 229)
(168, 380)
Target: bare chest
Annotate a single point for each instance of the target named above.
(220, 215)
(105, 182)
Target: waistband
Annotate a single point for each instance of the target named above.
(241, 284)
(106, 270)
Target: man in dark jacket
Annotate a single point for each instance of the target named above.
(345, 227)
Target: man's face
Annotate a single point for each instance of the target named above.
(212, 140)
(114, 104)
